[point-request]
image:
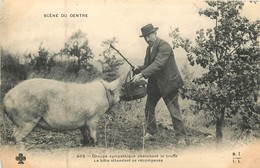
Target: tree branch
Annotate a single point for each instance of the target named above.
(234, 50)
(216, 39)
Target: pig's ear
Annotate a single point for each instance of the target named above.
(105, 84)
(114, 85)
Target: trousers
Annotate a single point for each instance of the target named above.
(171, 101)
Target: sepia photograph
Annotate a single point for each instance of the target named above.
(128, 83)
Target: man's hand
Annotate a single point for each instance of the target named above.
(137, 77)
(137, 69)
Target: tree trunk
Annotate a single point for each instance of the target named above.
(219, 126)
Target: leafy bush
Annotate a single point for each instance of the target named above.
(77, 46)
(43, 61)
(12, 72)
(109, 62)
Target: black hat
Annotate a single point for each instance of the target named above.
(148, 29)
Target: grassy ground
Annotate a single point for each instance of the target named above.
(121, 129)
(121, 132)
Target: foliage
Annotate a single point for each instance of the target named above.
(43, 61)
(230, 54)
(12, 71)
(10, 63)
(77, 48)
(110, 64)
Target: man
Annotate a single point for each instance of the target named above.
(164, 80)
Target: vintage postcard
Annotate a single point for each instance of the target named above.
(60, 61)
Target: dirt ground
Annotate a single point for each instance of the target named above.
(123, 129)
(121, 133)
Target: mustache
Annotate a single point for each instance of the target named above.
(148, 41)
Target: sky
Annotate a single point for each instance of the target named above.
(24, 27)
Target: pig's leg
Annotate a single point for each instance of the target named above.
(14, 131)
(87, 140)
(93, 132)
(24, 130)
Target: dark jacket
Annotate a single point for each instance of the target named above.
(160, 66)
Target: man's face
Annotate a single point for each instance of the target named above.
(151, 38)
